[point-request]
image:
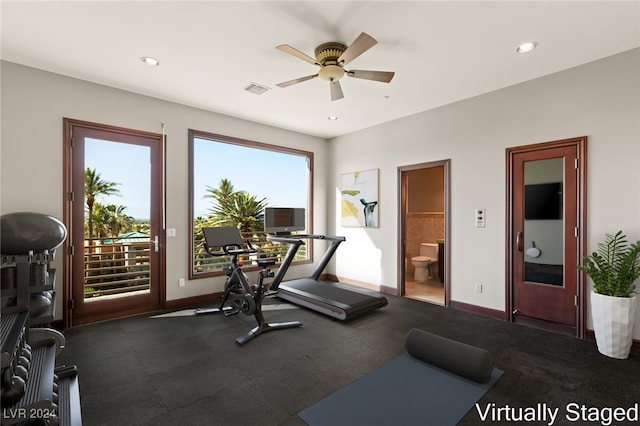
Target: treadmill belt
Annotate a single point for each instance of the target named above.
(328, 297)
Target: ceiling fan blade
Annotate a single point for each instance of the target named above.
(298, 54)
(336, 90)
(295, 81)
(383, 76)
(360, 45)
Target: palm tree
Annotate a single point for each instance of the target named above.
(99, 221)
(236, 208)
(230, 208)
(95, 186)
(247, 212)
(117, 220)
(222, 196)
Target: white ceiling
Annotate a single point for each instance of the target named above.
(441, 52)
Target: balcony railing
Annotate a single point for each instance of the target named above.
(120, 266)
(205, 263)
(116, 267)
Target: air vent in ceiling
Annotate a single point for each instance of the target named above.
(256, 89)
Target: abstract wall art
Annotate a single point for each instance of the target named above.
(359, 199)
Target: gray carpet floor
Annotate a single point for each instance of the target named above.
(183, 369)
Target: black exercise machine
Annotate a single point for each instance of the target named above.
(333, 299)
(239, 295)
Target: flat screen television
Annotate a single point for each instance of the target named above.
(284, 220)
(543, 201)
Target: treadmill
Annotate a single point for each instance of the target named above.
(336, 300)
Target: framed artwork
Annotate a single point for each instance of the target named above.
(359, 199)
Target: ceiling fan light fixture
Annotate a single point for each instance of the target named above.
(331, 72)
(331, 58)
(152, 62)
(526, 47)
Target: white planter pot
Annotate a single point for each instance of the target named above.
(613, 319)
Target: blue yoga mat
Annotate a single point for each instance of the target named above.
(405, 391)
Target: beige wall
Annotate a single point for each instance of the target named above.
(34, 103)
(600, 100)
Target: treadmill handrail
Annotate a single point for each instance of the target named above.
(294, 244)
(322, 237)
(335, 242)
(281, 239)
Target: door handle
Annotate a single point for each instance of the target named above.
(519, 241)
(156, 244)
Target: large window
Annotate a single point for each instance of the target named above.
(232, 181)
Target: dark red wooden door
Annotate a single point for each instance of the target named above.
(545, 246)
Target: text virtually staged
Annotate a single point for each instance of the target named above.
(545, 413)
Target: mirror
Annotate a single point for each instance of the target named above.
(543, 221)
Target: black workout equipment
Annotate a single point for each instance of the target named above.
(239, 295)
(459, 358)
(24, 232)
(333, 299)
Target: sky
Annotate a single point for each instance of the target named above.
(126, 164)
(279, 177)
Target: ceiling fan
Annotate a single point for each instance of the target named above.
(331, 58)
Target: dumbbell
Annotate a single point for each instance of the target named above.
(13, 389)
(24, 361)
(26, 351)
(21, 372)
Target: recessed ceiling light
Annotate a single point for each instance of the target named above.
(332, 118)
(526, 47)
(152, 62)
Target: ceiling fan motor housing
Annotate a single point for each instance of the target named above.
(327, 55)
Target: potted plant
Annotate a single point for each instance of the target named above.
(614, 269)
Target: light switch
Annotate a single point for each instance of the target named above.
(171, 232)
(480, 218)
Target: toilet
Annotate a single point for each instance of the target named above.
(428, 256)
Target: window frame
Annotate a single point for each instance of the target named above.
(214, 137)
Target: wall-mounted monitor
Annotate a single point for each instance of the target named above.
(284, 220)
(543, 201)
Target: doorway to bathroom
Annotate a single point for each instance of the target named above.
(423, 261)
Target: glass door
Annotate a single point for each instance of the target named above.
(545, 223)
(116, 222)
